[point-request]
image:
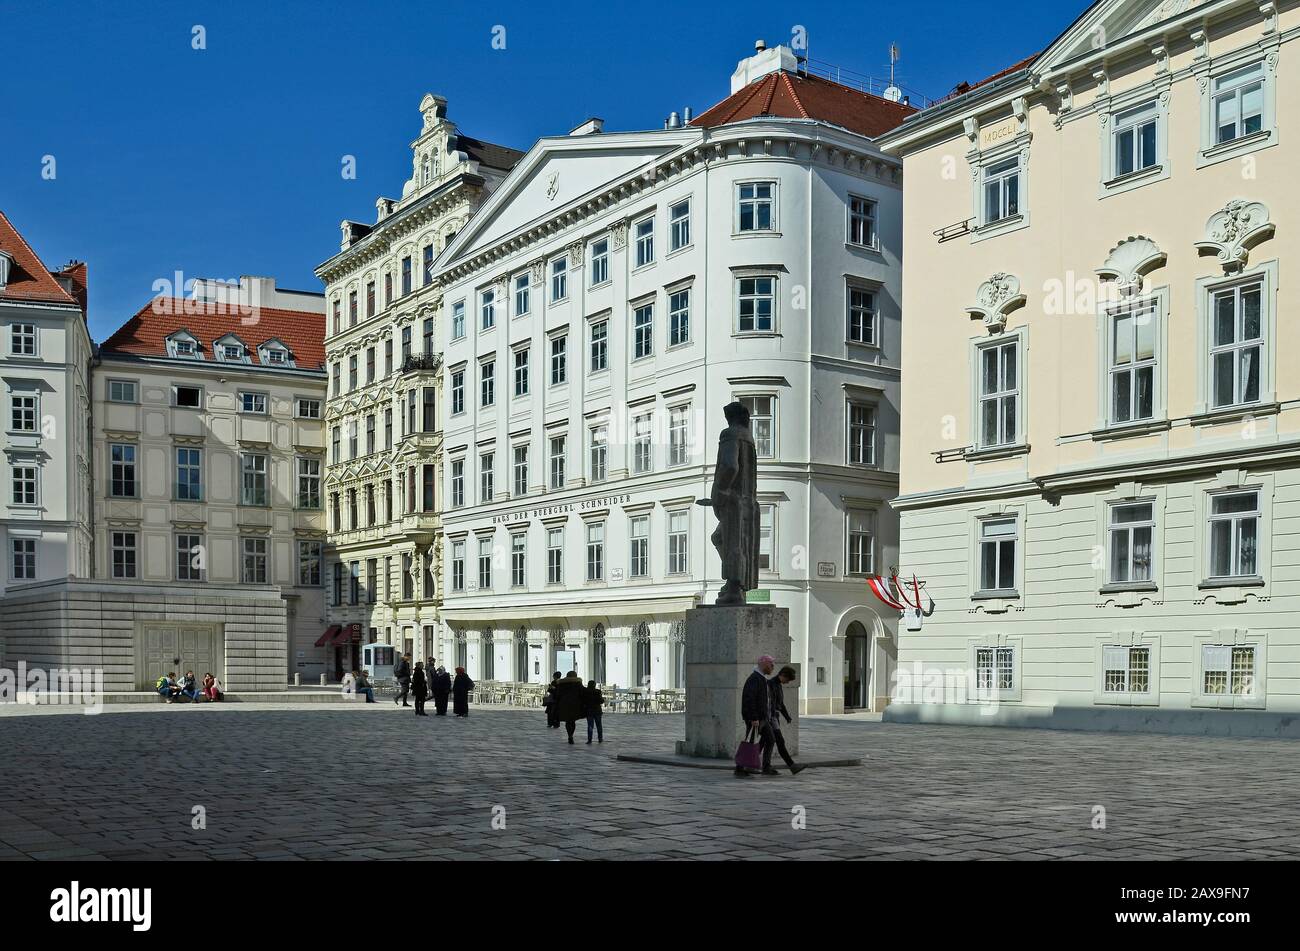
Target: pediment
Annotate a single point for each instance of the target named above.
(1108, 22)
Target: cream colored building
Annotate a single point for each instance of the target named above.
(384, 452)
(1101, 413)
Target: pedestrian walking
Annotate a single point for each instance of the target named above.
(569, 701)
(756, 705)
(441, 691)
(402, 673)
(548, 701)
(460, 689)
(776, 710)
(420, 687)
(593, 704)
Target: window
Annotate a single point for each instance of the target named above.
(188, 397)
(307, 408)
(388, 500)
(352, 510)
(22, 340)
(428, 336)
(679, 448)
(428, 265)
(352, 373)
(25, 482)
(370, 365)
(1239, 104)
(678, 538)
(308, 483)
(406, 275)
(555, 556)
(254, 561)
(388, 287)
(406, 345)
(488, 309)
(370, 298)
(522, 282)
(560, 279)
(122, 475)
(1234, 534)
(767, 538)
(457, 483)
(189, 474)
(274, 356)
(336, 387)
(352, 309)
(1001, 191)
(255, 487)
(679, 223)
(1228, 669)
(642, 447)
(487, 383)
(1133, 364)
(122, 553)
(754, 206)
(408, 583)
(994, 669)
(338, 583)
(24, 559)
(521, 470)
(679, 317)
(1132, 531)
(184, 347)
(1236, 344)
(644, 233)
(428, 417)
(862, 434)
(485, 563)
(997, 554)
(762, 423)
(231, 351)
(862, 315)
(756, 299)
(518, 560)
(370, 433)
(559, 457)
(599, 261)
(1126, 669)
(25, 413)
(458, 566)
(487, 477)
(862, 221)
(599, 346)
(253, 402)
(189, 557)
(336, 520)
(559, 359)
(338, 316)
(336, 454)
(999, 395)
(121, 391)
(861, 542)
(457, 392)
(595, 551)
(352, 438)
(643, 340)
(458, 320)
(521, 371)
(354, 582)
(639, 557)
(1135, 140)
(599, 450)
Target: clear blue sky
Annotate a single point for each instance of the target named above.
(226, 161)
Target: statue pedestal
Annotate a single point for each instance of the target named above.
(722, 644)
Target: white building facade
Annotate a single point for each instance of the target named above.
(597, 313)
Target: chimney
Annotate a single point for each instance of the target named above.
(590, 127)
(763, 62)
(674, 121)
(759, 46)
(686, 116)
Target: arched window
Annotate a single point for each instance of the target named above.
(424, 170)
(641, 644)
(488, 663)
(557, 645)
(677, 645)
(521, 655)
(598, 654)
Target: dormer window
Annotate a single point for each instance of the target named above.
(274, 353)
(183, 345)
(276, 357)
(231, 351)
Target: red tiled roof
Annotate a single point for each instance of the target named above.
(145, 334)
(800, 96)
(75, 272)
(963, 88)
(28, 277)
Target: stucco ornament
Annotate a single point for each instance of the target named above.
(1129, 261)
(996, 298)
(1233, 230)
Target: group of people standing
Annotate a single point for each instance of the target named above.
(425, 680)
(171, 689)
(566, 701)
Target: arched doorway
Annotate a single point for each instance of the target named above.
(641, 658)
(487, 655)
(598, 654)
(521, 655)
(857, 667)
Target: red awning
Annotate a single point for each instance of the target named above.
(329, 635)
(342, 636)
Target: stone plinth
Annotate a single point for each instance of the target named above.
(722, 644)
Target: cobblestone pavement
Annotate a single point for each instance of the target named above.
(334, 782)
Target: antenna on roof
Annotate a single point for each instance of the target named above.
(893, 93)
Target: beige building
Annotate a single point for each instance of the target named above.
(381, 481)
(1101, 425)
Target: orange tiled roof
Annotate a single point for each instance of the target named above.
(145, 334)
(800, 96)
(29, 279)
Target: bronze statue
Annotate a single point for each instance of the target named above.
(735, 503)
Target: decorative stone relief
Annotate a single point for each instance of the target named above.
(1129, 261)
(996, 298)
(575, 254)
(618, 236)
(1233, 230)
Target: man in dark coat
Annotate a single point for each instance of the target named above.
(756, 706)
(402, 674)
(548, 701)
(569, 706)
(776, 710)
(460, 688)
(420, 687)
(441, 690)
